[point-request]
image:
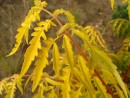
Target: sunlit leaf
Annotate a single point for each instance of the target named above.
(56, 57)
(68, 49)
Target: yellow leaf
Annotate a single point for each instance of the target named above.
(112, 4)
(46, 24)
(27, 81)
(19, 84)
(66, 85)
(41, 63)
(86, 81)
(101, 88)
(11, 86)
(67, 13)
(124, 1)
(31, 53)
(57, 12)
(121, 83)
(63, 29)
(128, 8)
(52, 94)
(23, 31)
(85, 71)
(94, 36)
(40, 92)
(107, 63)
(68, 49)
(3, 85)
(51, 81)
(35, 44)
(119, 92)
(70, 17)
(106, 74)
(19, 38)
(56, 61)
(77, 93)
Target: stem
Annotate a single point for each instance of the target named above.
(109, 90)
(126, 73)
(82, 53)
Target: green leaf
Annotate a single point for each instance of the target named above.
(86, 81)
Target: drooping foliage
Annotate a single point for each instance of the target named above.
(81, 70)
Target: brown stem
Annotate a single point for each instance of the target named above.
(82, 53)
(27, 75)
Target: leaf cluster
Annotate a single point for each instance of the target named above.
(80, 74)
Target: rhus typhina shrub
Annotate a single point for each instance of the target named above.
(80, 71)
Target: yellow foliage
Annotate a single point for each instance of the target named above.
(66, 86)
(112, 4)
(56, 57)
(71, 73)
(40, 65)
(32, 16)
(68, 49)
(67, 13)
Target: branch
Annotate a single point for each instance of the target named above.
(81, 52)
